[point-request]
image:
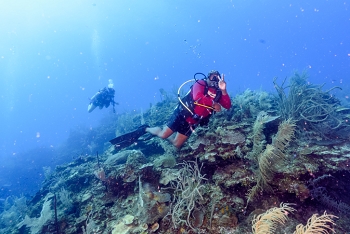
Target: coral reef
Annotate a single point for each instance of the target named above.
(269, 221)
(286, 148)
(313, 108)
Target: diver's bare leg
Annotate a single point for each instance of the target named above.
(178, 140)
(159, 132)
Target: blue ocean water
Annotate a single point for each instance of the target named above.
(55, 55)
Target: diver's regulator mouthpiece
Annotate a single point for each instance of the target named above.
(214, 82)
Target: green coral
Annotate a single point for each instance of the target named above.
(311, 107)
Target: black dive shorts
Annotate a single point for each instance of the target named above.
(178, 123)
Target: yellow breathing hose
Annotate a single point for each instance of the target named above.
(209, 107)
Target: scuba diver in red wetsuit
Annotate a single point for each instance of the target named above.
(206, 97)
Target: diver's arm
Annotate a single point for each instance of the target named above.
(225, 100)
(222, 84)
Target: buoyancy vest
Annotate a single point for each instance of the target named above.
(190, 103)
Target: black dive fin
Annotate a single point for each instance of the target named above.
(129, 138)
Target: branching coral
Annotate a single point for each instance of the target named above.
(317, 224)
(258, 136)
(273, 155)
(319, 192)
(188, 192)
(267, 222)
(308, 104)
(248, 104)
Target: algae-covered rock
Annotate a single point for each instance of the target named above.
(168, 175)
(136, 158)
(118, 158)
(86, 196)
(121, 228)
(128, 157)
(128, 219)
(165, 161)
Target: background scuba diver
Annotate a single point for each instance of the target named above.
(205, 97)
(103, 98)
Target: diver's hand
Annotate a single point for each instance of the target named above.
(217, 107)
(222, 84)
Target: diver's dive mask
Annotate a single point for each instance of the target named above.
(213, 81)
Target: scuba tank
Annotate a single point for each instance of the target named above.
(187, 104)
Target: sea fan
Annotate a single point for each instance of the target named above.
(268, 221)
(321, 225)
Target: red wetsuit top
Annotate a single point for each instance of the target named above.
(200, 97)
